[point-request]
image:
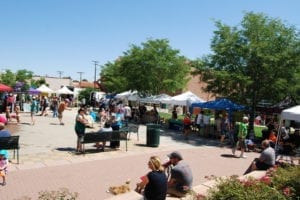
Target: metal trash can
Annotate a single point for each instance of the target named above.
(153, 133)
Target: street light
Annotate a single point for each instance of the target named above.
(80, 75)
(95, 63)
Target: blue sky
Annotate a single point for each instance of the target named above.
(47, 36)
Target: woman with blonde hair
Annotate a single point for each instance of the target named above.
(154, 184)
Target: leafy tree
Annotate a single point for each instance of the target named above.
(258, 60)
(22, 78)
(23, 75)
(85, 94)
(112, 79)
(8, 78)
(150, 68)
(37, 83)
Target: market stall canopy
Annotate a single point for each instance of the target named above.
(5, 88)
(125, 95)
(162, 97)
(292, 113)
(220, 104)
(133, 97)
(44, 89)
(33, 91)
(64, 90)
(287, 102)
(184, 99)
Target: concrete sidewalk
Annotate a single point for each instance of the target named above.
(48, 161)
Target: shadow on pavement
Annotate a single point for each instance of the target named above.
(228, 156)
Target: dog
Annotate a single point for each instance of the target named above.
(120, 189)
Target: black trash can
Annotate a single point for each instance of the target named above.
(153, 133)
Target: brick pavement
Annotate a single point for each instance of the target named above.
(48, 162)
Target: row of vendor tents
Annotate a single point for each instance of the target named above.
(44, 89)
(191, 100)
(188, 99)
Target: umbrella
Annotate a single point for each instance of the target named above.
(4, 88)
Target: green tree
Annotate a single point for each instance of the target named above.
(111, 78)
(255, 61)
(24, 76)
(38, 83)
(8, 78)
(150, 68)
(85, 94)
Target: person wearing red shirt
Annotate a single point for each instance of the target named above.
(187, 122)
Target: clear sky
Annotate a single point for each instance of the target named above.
(48, 36)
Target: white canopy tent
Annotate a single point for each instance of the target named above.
(184, 99)
(125, 95)
(64, 90)
(292, 113)
(155, 99)
(44, 89)
(162, 97)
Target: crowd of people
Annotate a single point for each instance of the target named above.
(156, 184)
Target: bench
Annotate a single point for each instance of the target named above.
(11, 142)
(116, 135)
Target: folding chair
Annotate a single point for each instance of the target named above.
(133, 129)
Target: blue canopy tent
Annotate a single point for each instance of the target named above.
(220, 104)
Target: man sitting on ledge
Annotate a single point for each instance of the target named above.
(266, 159)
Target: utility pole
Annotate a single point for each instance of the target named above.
(80, 75)
(60, 73)
(96, 64)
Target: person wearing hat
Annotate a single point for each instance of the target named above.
(243, 131)
(181, 179)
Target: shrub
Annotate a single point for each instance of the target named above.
(278, 183)
(249, 189)
(287, 180)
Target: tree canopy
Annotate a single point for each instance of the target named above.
(150, 68)
(257, 60)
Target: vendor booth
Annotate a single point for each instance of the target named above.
(292, 114)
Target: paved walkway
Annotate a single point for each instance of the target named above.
(48, 161)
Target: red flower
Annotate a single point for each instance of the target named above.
(266, 179)
(287, 191)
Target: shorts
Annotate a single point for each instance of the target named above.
(242, 143)
(2, 173)
(187, 127)
(60, 115)
(262, 166)
(80, 136)
(224, 132)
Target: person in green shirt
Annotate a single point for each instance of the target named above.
(243, 131)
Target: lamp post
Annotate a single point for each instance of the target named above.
(80, 75)
(95, 63)
(60, 73)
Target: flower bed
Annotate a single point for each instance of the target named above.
(278, 183)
